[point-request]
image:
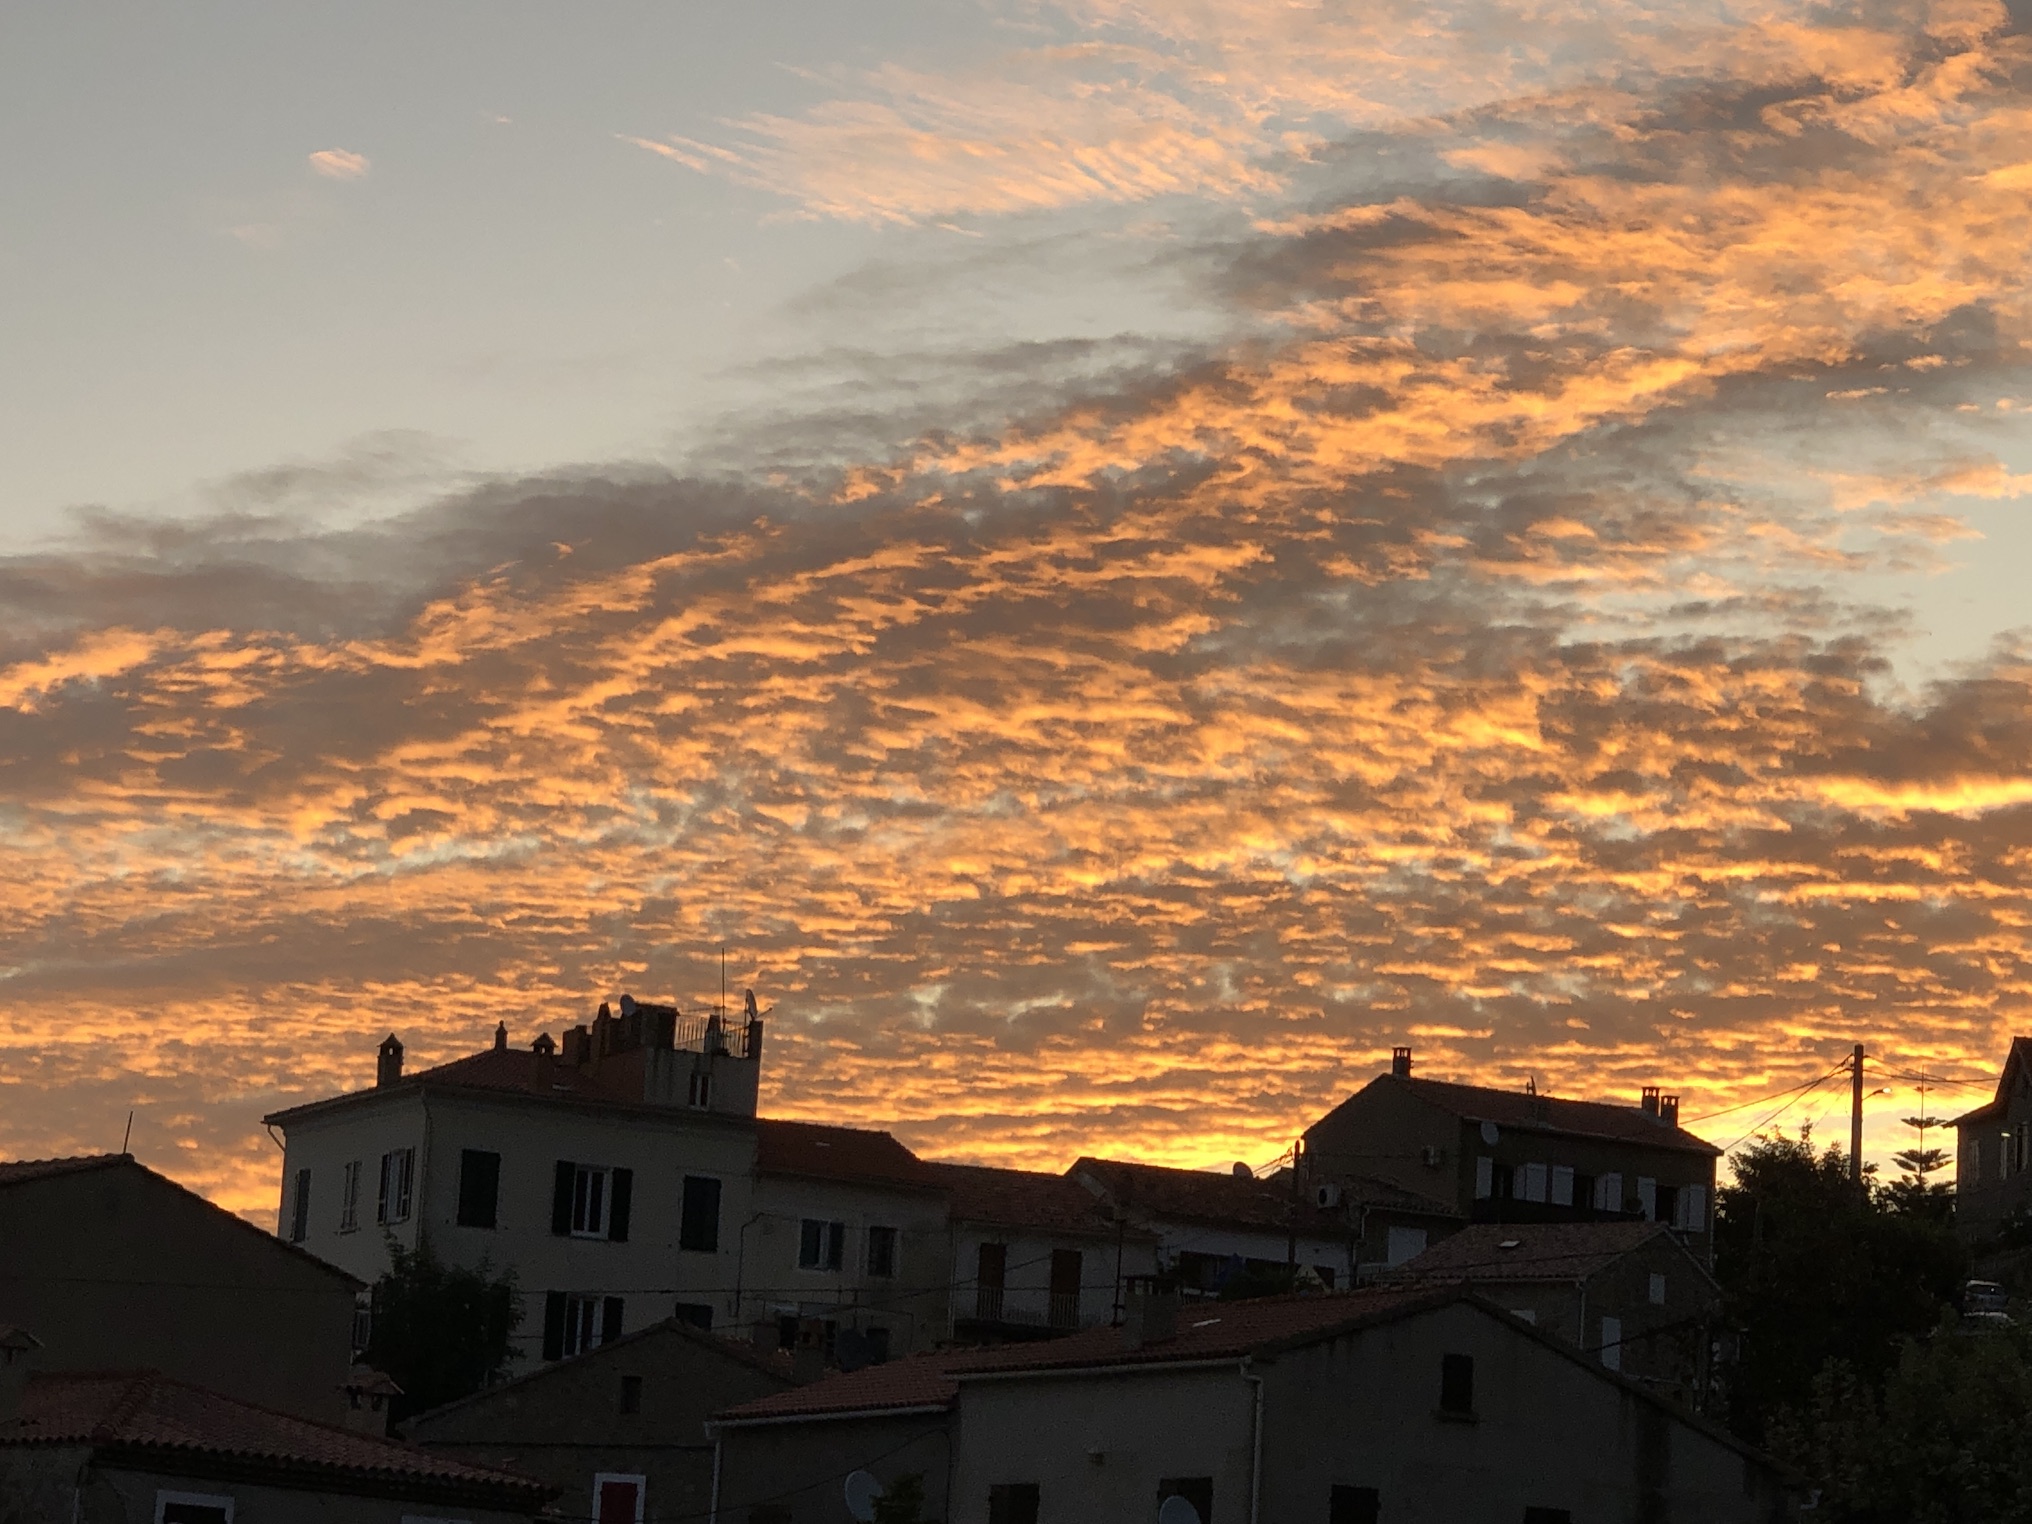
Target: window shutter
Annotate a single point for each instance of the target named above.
(381, 1202)
(553, 1325)
(617, 1207)
(560, 1199)
(610, 1320)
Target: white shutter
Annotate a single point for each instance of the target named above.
(1612, 1343)
(1485, 1178)
(1693, 1208)
(1534, 1182)
(1609, 1193)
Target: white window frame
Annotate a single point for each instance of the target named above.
(590, 1217)
(349, 1198)
(699, 1093)
(587, 1308)
(833, 1238)
(395, 1197)
(197, 1499)
(601, 1478)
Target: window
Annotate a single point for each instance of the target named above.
(882, 1252)
(349, 1198)
(1562, 1185)
(1975, 1161)
(631, 1394)
(398, 1181)
(1354, 1505)
(1457, 1384)
(1531, 1182)
(1657, 1291)
(1647, 1197)
(1691, 1212)
(588, 1201)
(1612, 1343)
(693, 1314)
(574, 1322)
(700, 1092)
(698, 1226)
(1609, 1193)
(1012, 1503)
(192, 1508)
(1063, 1310)
(479, 1187)
(1547, 1516)
(363, 1322)
(821, 1245)
(1665, 1200)
(991, 1262)
(1196, 1490)
(618, 1499)
(1485, 1178)
(299, 1215)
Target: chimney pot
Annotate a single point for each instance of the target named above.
(500, 1037)
(388, 1062)
(1668, 1110)
(1400, 1062)
(1650, 1101)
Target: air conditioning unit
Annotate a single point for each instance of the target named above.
(1326, 1195)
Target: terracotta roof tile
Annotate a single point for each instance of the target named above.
(1541, 1251)
(1021, 1198)
(145, 1410)
(916, 1381)
(817, 1151)
(42, 1169)
(1551, 1113)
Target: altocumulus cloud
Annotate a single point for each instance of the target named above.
(340, 164)
(1467, 654)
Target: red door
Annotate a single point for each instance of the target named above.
(618, 1503)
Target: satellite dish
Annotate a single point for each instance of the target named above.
(862, 1490)
(1177, 1510)
(1489, 1134)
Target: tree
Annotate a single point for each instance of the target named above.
(441, 1331)
(1942, 1444)
(1814, 1268)
(902, 1501)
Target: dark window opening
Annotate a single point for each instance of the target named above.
(697, 1314)
(882, 1252)
(194, 1513)
(699, 1215)
(1012, 1503)
(1548, 1516)
(1196, 1490)
(479, 1188)
(299, 1217)
(1354, 1505)
(989, 1267)
(1456, 1383)
(631, 1394)
(1065, 1288)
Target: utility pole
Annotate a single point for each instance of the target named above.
(1856, 1116)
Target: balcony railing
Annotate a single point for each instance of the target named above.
(1065, 1309)
(704, 1034)
(988, 1303)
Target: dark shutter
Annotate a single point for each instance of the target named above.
(617, 1208)
(553, 1325)
(479, 1188)
(299, 1225)
(560, 1198)
(381, 1201)
(610, 1320)
(699, 1220)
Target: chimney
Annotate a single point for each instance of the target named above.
(500, 1037)
(1400, 1062)
(1150, 1317)
(19, 1351)
(370, 1399)
(1242, 1171)
(1650, 1101)
(578, 1043)
(1668, 1110)
(546, 1052)
(388, 1067)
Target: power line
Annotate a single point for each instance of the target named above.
(1840, 1068)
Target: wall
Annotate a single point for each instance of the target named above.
(649, 1271)
(913, 1304)
(799, 1467)
(1547, 1433)
(117, 1268)
(1143, 1427)
(1026, 1297)
(41, 1486)
(1985, 1195)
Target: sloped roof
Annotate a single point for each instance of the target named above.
(1545, 1113)
(507, 1071)
(2015, 1059)
(1022, 1198)
(150, 1412)
(1539, 1251)
(1202, 1196)
(915, 1381)
(24, 1171)
(849, 1154)
(774, 1363)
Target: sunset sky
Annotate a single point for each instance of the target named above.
(1122, 558)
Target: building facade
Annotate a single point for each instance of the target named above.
(1517, 1156)
(1993, 1152)
(112, 1266)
